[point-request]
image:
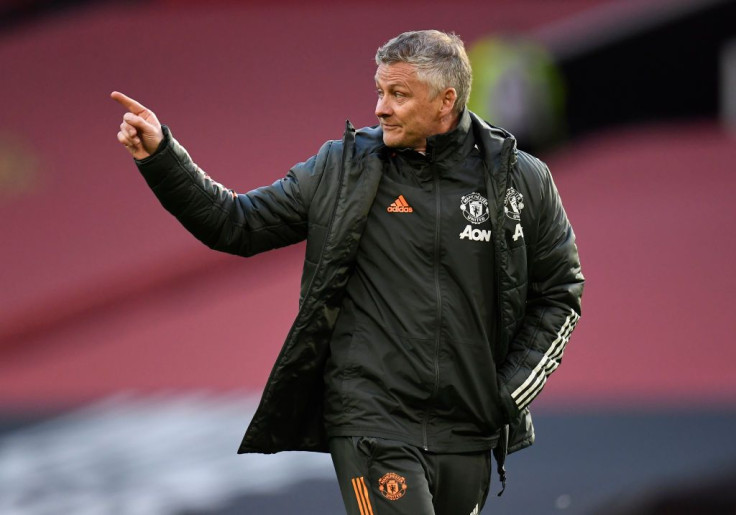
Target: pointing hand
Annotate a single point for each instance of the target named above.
(140, 131)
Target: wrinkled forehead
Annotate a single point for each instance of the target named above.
(392, 73)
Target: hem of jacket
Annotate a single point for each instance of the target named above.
(526, 442)
(318, 447)
(486, 444)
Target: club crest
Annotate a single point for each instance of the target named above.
(474, 208)
(513, 204)
(392, 486)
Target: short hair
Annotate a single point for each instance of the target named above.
(439, 58)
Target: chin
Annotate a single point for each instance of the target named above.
(392, 142)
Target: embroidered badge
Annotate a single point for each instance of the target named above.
(392, 486)
(513, 204)
(474, 208)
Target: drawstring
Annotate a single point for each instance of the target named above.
(502, 475)
(499, 452)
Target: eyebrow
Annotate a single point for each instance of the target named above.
(393, 84)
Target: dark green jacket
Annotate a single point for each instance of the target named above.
(327, 200)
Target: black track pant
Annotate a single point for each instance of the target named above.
(385, 477)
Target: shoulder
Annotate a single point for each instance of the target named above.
(365, 140)
(368, 140)
(531, 165)
(532, 176)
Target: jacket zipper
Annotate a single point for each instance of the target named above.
(438, 292)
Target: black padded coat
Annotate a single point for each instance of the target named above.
(326, 200)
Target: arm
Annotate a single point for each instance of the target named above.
(243, 224)
(553, 305)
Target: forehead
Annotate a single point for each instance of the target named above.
(396, 73)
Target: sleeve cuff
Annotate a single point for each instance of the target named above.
(162, 163)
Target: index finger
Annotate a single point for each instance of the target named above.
(127, 102)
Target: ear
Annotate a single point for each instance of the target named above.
(449, 97)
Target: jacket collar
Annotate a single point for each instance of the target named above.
(496, 144)
(444, 150)
(454, 144)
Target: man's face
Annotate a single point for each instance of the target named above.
(405, 108)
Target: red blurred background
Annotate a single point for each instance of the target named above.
(102, 292)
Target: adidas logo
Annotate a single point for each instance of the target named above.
(400, 205)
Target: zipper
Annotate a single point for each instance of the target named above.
(438, 292)
(507, 160)
(496, 228)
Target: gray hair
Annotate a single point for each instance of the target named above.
(439, 58)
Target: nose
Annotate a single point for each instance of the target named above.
(383, 108)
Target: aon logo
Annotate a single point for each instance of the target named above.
(475, 234)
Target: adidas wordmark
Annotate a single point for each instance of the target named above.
(400, 205)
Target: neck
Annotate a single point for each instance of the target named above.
(449, 122)
(446, 124)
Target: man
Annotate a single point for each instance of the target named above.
(441, 283)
